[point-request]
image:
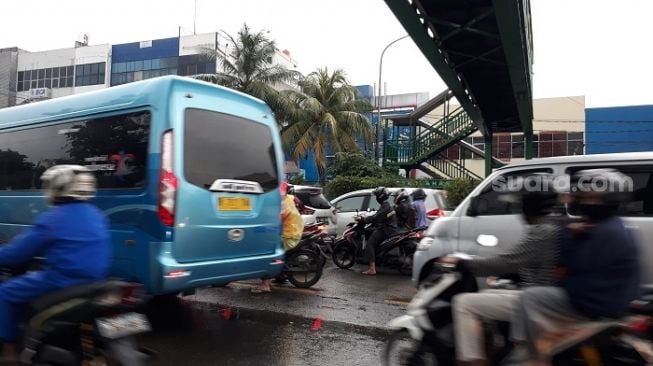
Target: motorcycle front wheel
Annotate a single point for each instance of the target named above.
(344, 255)
(303, 268)
(403, 350)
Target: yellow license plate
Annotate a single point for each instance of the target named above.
(234, 204)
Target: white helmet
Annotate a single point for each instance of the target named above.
(68, 182)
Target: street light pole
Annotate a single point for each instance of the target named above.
(377, 151)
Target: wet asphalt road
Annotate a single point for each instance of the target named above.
(188, 334)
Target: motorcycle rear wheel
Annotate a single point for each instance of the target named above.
(344, 255)
(303, 268)
(403, 350)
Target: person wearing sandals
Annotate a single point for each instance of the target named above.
(291, 233)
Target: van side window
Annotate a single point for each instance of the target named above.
(642, 197)
(113, 147)
(495, 199)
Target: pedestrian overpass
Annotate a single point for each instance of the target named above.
(483, 51)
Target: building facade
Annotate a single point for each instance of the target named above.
(558, 130)
(27, 77)
(619, 129)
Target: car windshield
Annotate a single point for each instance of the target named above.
(313, 199)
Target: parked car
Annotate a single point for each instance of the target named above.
(484, 224)
(315, 208)
(353, 203)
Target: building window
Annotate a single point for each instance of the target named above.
(575, 145)
(127, 72)
(53, 77)
(89, 74)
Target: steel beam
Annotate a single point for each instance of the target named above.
(410, 20)
(457, 26)
(467, 25)
(514, 27)
(481, 57)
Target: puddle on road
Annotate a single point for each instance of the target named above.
(189, 335)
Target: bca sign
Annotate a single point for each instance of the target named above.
(40, 93)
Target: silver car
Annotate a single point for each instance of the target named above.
(353, 203)
(484, 224)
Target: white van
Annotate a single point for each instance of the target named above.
(482, 216)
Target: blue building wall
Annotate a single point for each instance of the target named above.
(366, 91)
(619, 129)
(161, 48)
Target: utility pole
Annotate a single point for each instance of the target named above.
(377, 150)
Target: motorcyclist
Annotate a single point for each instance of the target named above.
(598, 259)
(73, 237)
(404, 210)
(420, 207)
(385, 224)
(292, 226)
(534, 259)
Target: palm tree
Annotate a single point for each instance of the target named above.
(248, 68)
(328, 115)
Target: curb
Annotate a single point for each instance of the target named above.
(274, 317)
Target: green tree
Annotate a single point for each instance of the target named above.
(355, 165)
(459, 188)
(328, 115)
(248, 67)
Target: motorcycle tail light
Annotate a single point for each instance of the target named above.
(640, 324)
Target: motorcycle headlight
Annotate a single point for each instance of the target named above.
(425, 244)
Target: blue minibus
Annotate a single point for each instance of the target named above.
(188, 176)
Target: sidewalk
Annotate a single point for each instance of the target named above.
(345, 299)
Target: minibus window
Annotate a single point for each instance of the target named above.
(222, 146)
(113, 147)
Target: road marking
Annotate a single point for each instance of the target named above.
(395, 301)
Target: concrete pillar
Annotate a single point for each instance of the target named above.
(488, 154)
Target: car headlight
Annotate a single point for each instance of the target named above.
(425, 244)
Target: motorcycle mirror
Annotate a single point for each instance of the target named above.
(487, 240)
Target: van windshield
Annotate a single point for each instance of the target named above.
(222, 146)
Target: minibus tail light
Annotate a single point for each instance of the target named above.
(168, 182)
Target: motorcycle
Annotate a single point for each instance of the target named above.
(424, 336)
(395, 251)
(304, 263)
(93, 323)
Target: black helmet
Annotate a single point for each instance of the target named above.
(402, 196)
(419, 194)
(381, 193)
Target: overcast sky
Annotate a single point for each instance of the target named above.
(598, 48)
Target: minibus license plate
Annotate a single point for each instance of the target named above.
(234, 204)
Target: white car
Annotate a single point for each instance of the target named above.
(353, 203)
(317, 207)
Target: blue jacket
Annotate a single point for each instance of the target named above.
(73, 237)
(420, 209)
(601, 269)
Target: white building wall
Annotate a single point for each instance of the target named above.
(90, 55)
(196, 43)
(46, 59)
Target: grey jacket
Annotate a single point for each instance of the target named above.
(534, 258)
